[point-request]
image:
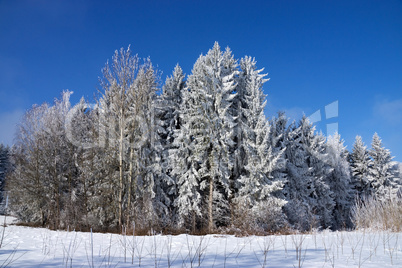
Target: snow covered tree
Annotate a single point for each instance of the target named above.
(167, 108)
(310, 199)
(339, 181)
(92, 191)
(143, 150)
(250, 123)
(66, 169)
(44, 175)
(189, 200)
(299, 188)
(209, 122)
(4, 167)
(278, 137)
(118, 78)
(383, 174)
(59, 171)
(399, 166)
(317, 160)
(127, 101)
(27, 193)
(257, 159)
(360, 164)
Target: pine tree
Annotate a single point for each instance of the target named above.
(310, 199)
(299, 187)
(339, 181)
(382, 175)
(360, 164)
(317, 160)
(167, 125)
(257, 158)
(208, 122)
(278, 138)
(184, 168)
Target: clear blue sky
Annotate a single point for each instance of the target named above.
(315, 52)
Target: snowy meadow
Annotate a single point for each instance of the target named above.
(40, 247)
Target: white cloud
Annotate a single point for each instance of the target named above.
(293, 113)
(8, 122)
(389, 111)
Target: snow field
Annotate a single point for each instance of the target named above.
(38, 247)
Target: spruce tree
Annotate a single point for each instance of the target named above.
(299, 188)
(383, 176)
(339, 181)
(278, 138)
(184, 169)
(310, 199)
(360, 164)
(209, 121)
(258, 158)
(167, 121)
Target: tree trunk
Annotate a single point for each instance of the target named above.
(121, 173)
(210, 218)
(193, 221)
(130, 181)
(57, 193)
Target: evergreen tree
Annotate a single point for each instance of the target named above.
(4, 167)
(339, 181)
(278, 138)
(209, 122)
(383, 177)
(310, 199)
(167, 125)
(299, 187)
(147, 203)
(259, 158)
(317, 160)
(200, 154)
(360, 164)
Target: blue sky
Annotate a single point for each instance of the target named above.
(315, 53)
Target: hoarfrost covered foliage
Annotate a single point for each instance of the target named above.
(209, 122)
(167, 124)
(360, 163)
(383, 173)
(257, 160)
(311, 201)
(339, 181)
(200, 156)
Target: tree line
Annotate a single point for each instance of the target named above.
(195, 155)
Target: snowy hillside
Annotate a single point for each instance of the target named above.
(30, 247)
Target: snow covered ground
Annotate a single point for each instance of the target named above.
(37, 247)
